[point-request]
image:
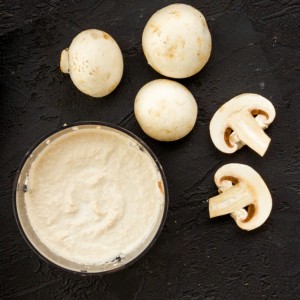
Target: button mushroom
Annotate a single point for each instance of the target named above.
(241, 121)
(94, 62)
(176, 41)
(165, 110)
(240, 186)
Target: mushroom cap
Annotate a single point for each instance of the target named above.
(261, 207)
(244, 103)
(176, 41)
(165, 110)
(95, 62)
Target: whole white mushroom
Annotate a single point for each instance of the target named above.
(176, 41)
(165, 110)
(94, 62)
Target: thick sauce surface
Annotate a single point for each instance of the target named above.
(93, 196)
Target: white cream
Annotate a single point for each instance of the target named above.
(94, 195)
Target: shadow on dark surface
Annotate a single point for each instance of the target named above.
(255, 49)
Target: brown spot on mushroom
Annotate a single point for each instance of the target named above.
(171, 51)
(95, 35)
(175, 13)
(159, 183)
(155, 28)
(256, 112)
(199, 41)
(96, 71)
(108, 75)
(106, 36)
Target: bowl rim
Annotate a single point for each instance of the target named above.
(103, 124)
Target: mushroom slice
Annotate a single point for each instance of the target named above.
(241, 121)
(240, 186)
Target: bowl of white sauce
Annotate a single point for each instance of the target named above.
(90, 198)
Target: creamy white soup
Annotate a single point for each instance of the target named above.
(94, 196)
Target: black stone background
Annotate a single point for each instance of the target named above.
(256, 48)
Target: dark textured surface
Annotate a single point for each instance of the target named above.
(256, 48)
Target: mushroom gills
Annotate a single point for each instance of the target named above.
(230, 200)
(242, 121)
(243, 194)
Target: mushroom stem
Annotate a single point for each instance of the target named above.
(64, 61)
(249, 132)
(231, 200)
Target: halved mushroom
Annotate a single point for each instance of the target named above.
(240, 186)
(241, 121)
